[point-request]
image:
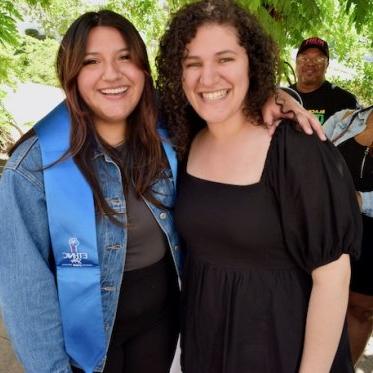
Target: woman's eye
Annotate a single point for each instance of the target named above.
(89, 62)
(125, 57)
(225, 59)
(192, 64)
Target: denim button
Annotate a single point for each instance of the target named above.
(108, 288)
(163, 215)
(115, 246)
(176, 247)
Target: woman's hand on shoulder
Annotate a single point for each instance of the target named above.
(283, 106)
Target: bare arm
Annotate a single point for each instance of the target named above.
(326, 315)
(281, 106)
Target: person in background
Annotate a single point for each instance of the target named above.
(319, 96)
(352, 132)
(268, 223)
(89, 252)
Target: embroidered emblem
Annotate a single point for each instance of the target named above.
(74, 258)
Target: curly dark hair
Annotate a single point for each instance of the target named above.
(182, 121)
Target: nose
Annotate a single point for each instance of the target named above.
(209, 75)
(111, 72)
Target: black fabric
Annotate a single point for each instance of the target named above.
(250, 251)
(327, 100)
(146, 328)
(151, 351)
(361, 269)
(146, 296)
(353, 154)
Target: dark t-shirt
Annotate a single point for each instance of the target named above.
(327, 100)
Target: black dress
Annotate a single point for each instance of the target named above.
(362, 175)
(249, 254)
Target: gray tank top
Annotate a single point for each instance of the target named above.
(146, 242)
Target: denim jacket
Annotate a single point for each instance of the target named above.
(334, 126)
(28, 293)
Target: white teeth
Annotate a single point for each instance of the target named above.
(114, 91)
(216, 95)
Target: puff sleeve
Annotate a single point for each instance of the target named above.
(317, 203)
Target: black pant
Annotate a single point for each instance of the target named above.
(147, 323)
(151, 351)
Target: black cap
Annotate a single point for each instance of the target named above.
(314, 42)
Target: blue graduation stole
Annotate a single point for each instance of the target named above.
(72, 225)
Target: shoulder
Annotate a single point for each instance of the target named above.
(302, 151)
(338, 120)
(290, 136)
(26, 152)
(342, 92)
(26, 161)
(306, 162)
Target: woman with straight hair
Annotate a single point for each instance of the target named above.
(89, 261)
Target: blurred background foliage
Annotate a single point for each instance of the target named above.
(29, 55)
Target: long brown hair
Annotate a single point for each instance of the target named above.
(144, 157)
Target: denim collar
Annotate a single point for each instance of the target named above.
(99, 151)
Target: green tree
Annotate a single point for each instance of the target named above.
(10, 38)
(5, 123)
(342, 22)
(10, 14)
(35, 60)
(346, 24)
(149, 16)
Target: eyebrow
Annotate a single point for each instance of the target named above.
(216, 54)
(98, 53)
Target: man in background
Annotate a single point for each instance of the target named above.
(319, 96)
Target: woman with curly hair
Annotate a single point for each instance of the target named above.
(268, 222)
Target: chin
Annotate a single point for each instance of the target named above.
(213, 118)
(110, 118)
(215, 121)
